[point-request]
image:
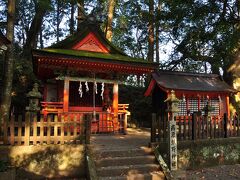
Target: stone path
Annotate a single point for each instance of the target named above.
(136, 138)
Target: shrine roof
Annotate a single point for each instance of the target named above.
(183, 81)
(85, 29)
(191, 81)
(88, 54)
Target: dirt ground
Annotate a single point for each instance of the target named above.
(224, 172)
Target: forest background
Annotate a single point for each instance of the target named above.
(191, 36)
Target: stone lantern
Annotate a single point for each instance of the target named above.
(172, 104)
(34, 97)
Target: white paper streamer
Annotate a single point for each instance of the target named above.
(87, 88)
(80, 89)
(102, 90)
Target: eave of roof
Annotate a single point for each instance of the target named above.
(87, 54)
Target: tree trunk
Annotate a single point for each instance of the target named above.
(71, 25)
(151, 31)
(81, 13)
(157, 30)
(9, 61)
(58, 19)
(111, 6)
(34, 30)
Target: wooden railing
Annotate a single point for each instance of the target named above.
(196, 127)
(52, 107)
(58, 129)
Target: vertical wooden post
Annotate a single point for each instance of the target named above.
(115, 106)
(66, 95)
(153, 128)
(125, 123)
(34, 128)
(12, 126)
(225, 119)
(41, 129)
(88, 129)
(5, 131)
(27, 128)
(49, 129)
(55, 129)
(19, 142)
(194, 126)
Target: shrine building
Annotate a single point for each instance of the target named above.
(81, 75)
(192, 89)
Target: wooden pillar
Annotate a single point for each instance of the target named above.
(66, 95)
(115, 105)
(227, 106)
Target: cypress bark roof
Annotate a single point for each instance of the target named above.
(191, 81)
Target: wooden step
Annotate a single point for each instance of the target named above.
(126, 170)
(121, 161)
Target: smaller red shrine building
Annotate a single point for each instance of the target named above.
(81, 75)
(194, 90)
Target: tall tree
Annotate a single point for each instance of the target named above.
(81, 13)
(205, 31)
(111, 6)
(151, 31)
(41, 7)
(9, 62)
(157, 24)
(71, 22)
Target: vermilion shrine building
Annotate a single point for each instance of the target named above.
(194, 91)
(81, 75)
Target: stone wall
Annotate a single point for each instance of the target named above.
(47, 161)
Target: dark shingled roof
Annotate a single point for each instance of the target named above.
(191, 81)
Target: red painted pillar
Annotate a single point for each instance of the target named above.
(227, 107)
(115, 106)
(66, 95)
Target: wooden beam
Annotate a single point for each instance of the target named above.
(83, 79)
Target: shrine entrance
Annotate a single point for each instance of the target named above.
(81, 76)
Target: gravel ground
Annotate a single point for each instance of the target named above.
(223, 172)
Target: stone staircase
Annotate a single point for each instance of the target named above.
(127, 164)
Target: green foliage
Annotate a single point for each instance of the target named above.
(140, 106)
(3, 166)
(203, 32)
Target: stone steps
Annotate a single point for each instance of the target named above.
(121, 161)
(127, 164)
(147, 176)
(125, 170)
